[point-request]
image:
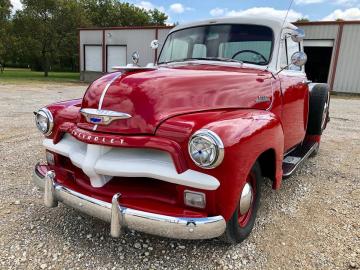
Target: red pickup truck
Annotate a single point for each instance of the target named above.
(180, 148)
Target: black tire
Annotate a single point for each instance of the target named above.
(318, 109)
(234, 233)
(315, 152)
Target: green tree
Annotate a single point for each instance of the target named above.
(67, 52)
(5, 12)
(34, 28)
(302, 20)
(44, 32)
(106, 13)
(158, 17)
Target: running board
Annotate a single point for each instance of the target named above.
(294, 159)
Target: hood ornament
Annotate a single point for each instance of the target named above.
(103, 117)
(135, 57)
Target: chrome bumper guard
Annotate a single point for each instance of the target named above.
(122, 217)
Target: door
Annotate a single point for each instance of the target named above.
(295, 96)
(93, 57)
(319, 54)
(116, 56)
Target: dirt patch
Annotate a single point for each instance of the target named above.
(313, 222)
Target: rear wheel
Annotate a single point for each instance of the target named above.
(318, 109)
(242, 222)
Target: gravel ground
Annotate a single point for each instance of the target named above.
(313, 222)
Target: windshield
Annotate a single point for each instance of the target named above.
(226, 42)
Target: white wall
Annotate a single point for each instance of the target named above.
(93, 37)
(135, 40)
(132, 39)
(347, 79)
(116, 56)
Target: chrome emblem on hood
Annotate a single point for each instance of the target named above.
(103, 117)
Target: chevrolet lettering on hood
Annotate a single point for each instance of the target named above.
(96, 139)
(180, 149)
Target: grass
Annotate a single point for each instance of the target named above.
(15, 75)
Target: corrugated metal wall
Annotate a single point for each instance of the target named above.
(347, 77)
(320, 31)
(326, 32)
(162, 35)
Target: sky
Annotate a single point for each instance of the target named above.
(183, 11)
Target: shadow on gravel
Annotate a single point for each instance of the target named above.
(89, 238)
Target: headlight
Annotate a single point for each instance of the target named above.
(44, 121)
(206, 149)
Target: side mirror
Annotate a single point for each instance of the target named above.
(154, 44)
(135, 58)
(298, 35)
(299, 59)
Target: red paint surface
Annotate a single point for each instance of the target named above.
(143, 194)
(168, 105)
(153, 96)
(295, 99)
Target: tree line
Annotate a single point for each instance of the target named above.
(43, 35)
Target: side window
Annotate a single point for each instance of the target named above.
(283, 54)
(292, 47)
(288, 48)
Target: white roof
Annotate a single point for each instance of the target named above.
(275, 23)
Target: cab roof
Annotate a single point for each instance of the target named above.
(276, 24)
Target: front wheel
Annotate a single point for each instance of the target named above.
(242, 222)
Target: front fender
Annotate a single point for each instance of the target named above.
(246, 134)
(64, 112)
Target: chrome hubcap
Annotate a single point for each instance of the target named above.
(324, 116)
(323, 121)
(246, 199)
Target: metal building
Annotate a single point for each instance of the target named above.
(332, 48)
(333, 54)
(102, 48)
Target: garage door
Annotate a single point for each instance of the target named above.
(319, 43)
(319, 54)
(116, 56)
(93, 57)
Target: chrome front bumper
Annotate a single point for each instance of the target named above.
(122, 217)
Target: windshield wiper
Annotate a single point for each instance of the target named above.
(220, 59)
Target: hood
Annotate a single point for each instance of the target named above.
(151, 97)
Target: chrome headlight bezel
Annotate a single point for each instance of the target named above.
(44, 112)
(213, 139)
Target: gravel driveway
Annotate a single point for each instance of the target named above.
(313, 222)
